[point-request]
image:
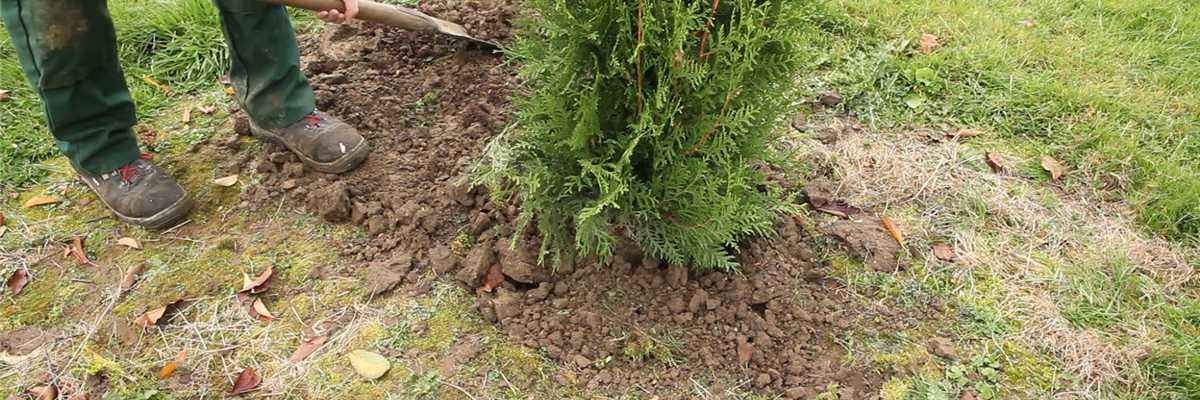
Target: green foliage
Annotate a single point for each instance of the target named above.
(648, 119)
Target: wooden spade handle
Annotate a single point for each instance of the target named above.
(371, 11)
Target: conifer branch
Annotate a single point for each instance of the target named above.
(714, 126)
(641, 74)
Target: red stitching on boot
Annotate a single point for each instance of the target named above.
(129, 171)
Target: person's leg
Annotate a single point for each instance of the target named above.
(68, 51)
(266, 72)
(274, 92)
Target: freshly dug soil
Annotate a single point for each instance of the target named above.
(429, 107)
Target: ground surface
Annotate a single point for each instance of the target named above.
(1052, 289)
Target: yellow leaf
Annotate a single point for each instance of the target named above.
(226, 181)
(130, 242)
(155, 83)
(40, 200)
(1053, 166)
(369, 365)
(229, 90)
(167, 370)
(891, 227)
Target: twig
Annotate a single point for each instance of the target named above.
(688, 227)
(724, 107)
(459, 389)
(707, 28)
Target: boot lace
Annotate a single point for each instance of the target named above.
(129, 170)
(313, 119)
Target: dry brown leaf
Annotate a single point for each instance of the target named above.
(308, 347)
(187, 115)
(967, 395)
(17, 280)
(1053, 166)
(130, 242)
(256, 285)
(798, 220)
(131, 276)
(207, 108)
(229, 90)
(928, 42)
(745, 350)
(943, 251)
(493, 278)
(259, 310)
(82, 396)
(839, 209)
(966, 132)
(892, 228)
(226, 181)
(246, 381)
(40, 201)
(224, 79)
(76, 249)
(45, 392)
(4, 95)
(154, 82)
(151, 317)
(994, 162)
(171, 366)
(14, 360)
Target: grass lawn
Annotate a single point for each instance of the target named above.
(1109, 86)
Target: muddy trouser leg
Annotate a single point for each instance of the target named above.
(266, 62)
(68, 51)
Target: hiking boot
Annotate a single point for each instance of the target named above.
(321, 141)
(141, 193)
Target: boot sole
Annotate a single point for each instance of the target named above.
(351, 159)
(163, 219)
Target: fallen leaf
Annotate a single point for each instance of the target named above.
(994, 162)
(229, 90)
(155, 83)
(839, 209)
(226, 181)
(1, 218)
(369, 365)
(892, 228)
(928, 42)
(76, 249)
(130, 242)
(494, 278)
(259, 310)
(1053, 166)
(1025, 22)
(131, 276)
(250, 285)
(246, 381)
(18, 280)
(170, 367)
(4, 95)
(207, 108)
(745, 350)
(40, 201)
(308, 347)
(943, 251)
(798, 220)
(45, 392)
(966, 132)
(224, 79)
(14, 360)
(967, 395)
(151, 317)
(187, 115)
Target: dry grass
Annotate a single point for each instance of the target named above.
(1019, 241)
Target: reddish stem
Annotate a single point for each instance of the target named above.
(707, 28)
(720, 116)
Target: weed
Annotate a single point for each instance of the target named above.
(655, 344)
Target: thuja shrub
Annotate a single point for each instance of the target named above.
(648, 119)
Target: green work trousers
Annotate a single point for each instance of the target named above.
(68, 50)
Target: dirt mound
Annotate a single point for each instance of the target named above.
(429, 107)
